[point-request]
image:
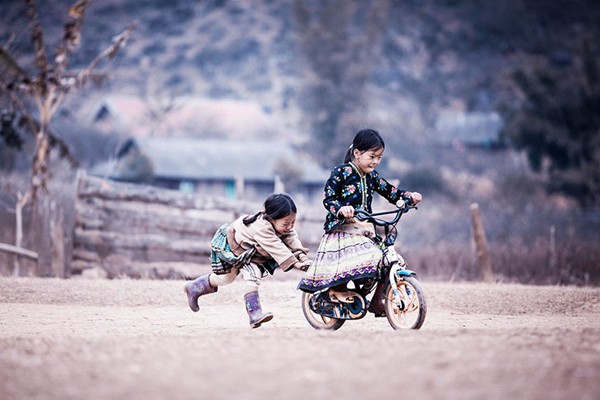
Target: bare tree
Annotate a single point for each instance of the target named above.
(43, 93)
(36, 97)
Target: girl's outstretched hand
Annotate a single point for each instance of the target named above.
(303, 265)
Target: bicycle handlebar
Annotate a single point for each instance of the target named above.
(362, 215)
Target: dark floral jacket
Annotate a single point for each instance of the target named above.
(347, 187)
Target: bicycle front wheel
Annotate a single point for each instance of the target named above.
(404, 304)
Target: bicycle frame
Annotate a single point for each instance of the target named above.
(395, 267)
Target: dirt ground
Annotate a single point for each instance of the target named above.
(136, 339)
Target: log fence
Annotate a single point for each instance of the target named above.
(124, 229)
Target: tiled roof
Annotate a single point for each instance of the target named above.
(174, 157)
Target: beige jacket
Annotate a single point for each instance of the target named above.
(286, 250)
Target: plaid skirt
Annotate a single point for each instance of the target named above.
(342, 257)
(222, 259)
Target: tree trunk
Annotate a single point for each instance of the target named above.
(40, 172)
(40, 228)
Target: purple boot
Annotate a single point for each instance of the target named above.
(196, 288)
(255, 311)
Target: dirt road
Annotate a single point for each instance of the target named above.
(127, 339)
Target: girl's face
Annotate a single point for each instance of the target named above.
(368, 160)
(284, 225)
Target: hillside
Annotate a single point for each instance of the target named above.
(432, 72)
(319, 70)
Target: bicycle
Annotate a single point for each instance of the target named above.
(404, 298)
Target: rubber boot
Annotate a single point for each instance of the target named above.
(376, 305)
(196, 288)
(255, 311)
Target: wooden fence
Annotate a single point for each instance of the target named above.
(133, 230)
(41, 251)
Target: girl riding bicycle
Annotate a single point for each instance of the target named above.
(346, 252)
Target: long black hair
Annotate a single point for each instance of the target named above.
(365, 139)
(277, 205)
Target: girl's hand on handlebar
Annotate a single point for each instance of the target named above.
(413, 199)
(346, 212)
(416, 198)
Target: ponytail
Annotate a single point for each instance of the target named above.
(251, 218)
(348, 156)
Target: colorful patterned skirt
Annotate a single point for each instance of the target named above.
(342, 257)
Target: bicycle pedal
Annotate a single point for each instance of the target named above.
(342, 297)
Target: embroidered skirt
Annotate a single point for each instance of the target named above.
(342, 257)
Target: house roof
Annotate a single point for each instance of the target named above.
(173, 115)
(191, 158)
(468, 127)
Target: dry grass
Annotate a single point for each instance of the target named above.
(575, 262)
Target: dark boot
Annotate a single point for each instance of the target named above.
(376, 306)
(255, 311)
(197, 288)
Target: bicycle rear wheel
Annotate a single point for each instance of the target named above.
(405, 306)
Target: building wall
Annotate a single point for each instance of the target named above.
(255, 191)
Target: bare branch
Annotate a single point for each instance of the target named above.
(34, 126)
(54, 140)
(10, 40)
(70, 80)
(63, 150)
(37, 37)
(119, 42)
(72, 35)
(12, 65)
(78, 10)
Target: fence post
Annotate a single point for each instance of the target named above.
(57, 234)
(39, 237)
(552, 262)
(21, 201)
(481, 248)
